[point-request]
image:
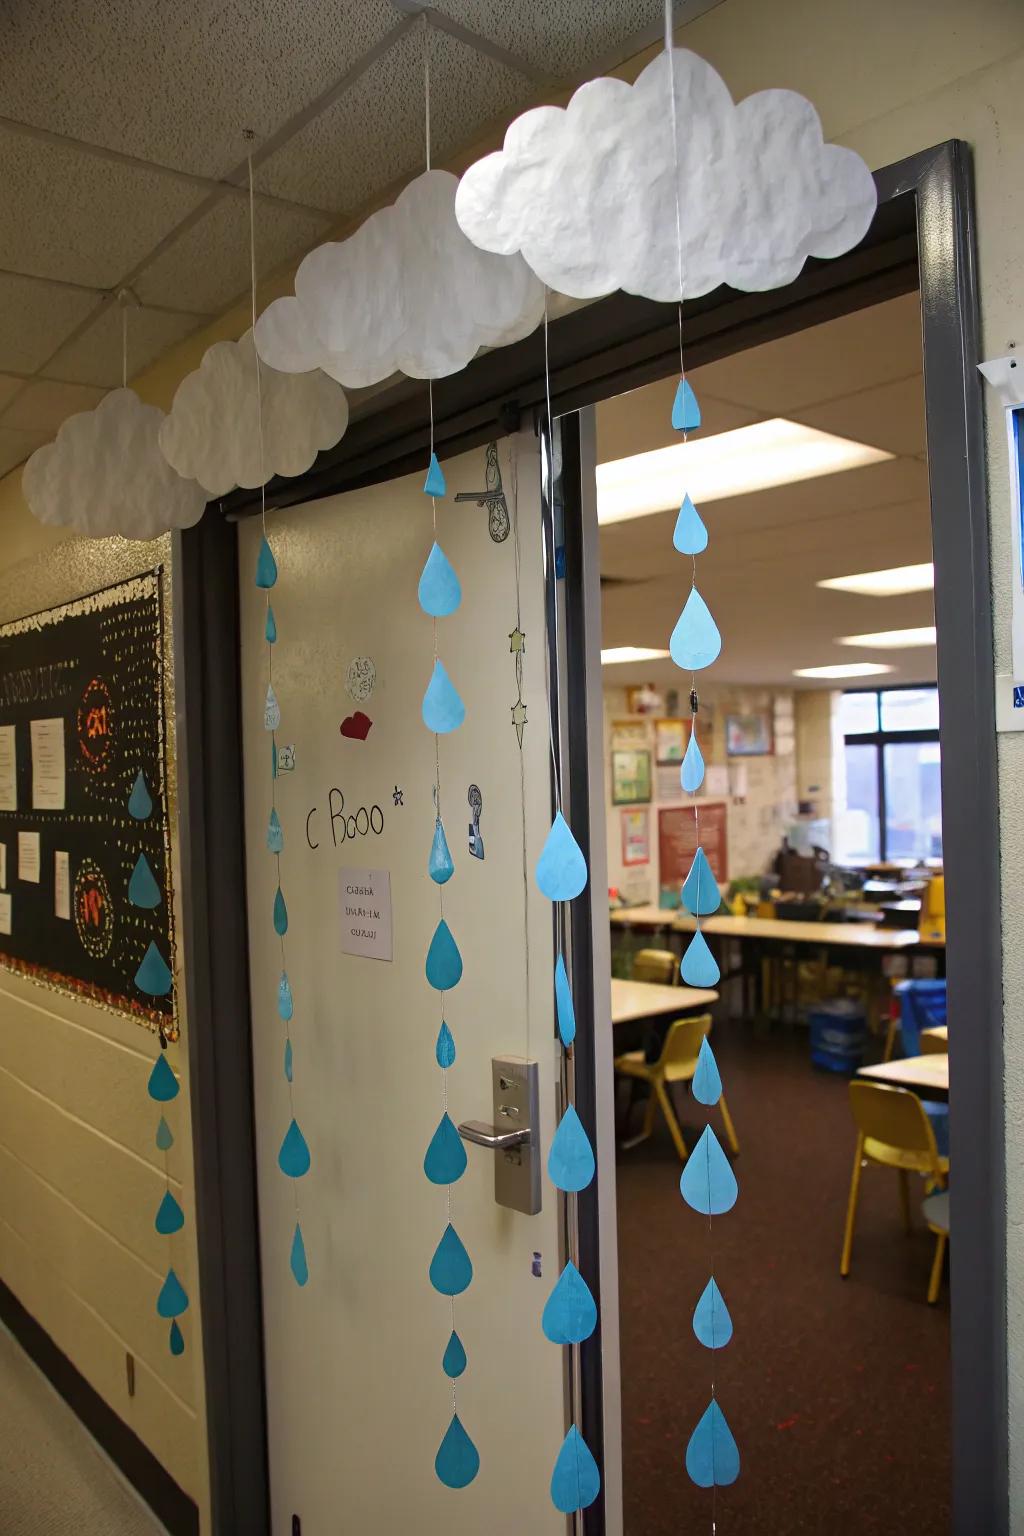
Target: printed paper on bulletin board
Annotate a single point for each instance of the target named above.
(81, 715)
(677, 844)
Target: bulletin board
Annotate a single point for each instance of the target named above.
(677, 844)
(81, 717)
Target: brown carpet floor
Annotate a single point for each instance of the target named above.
(837, 1390)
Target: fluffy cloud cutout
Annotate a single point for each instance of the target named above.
(212, 431)
(407, 292)
(104, 474)
(587, 192)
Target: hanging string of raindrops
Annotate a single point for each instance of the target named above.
(707, 1184)
(293, 1159)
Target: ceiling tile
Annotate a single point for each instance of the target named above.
(34, 319)
(178, 83)
(891, 416)
(559, 40)
(95, 357)
(44, 404)
(15, 447)
(374, 134)
(9, 387)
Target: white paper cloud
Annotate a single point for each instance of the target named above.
(587, 193)
(212, 431)
(104, 474)
(407, 292)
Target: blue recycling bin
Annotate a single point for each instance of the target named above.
(838, 1034)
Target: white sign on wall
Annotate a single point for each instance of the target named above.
(364, 899)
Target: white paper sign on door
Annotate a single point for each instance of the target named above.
(8, 770)
(47, 764)
(62, 884)
(5, 911)
(364, 900)
(28, 856)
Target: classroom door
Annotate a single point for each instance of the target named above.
(357, 1398)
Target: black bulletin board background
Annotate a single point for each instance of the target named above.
(98, 664)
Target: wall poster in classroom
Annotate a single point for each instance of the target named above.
(677, 844)
(670, 738)
(636, 836)
(748, 735)
(631, 777)
(83, 805)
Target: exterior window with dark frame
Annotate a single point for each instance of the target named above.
(892, 808)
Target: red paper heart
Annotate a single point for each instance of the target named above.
(357, 726)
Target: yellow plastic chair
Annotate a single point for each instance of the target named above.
(676, 1064)
(893, 1131)
(658, 965)
(935, 1209)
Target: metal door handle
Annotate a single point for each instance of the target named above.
(482, 1135)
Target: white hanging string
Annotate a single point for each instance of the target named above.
(426, 82)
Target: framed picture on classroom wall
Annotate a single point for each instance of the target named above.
(636, 836)
(748, 735)
(631, 777)
(669, 740)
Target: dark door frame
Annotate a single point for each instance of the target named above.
(923, 235)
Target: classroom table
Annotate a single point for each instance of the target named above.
(633, 1000)
(926, 1075)
(936, 1039)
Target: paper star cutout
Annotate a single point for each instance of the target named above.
(519, 718)
(518, 639)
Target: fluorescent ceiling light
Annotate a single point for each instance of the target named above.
(894, 582)
(892, 639)
(776, 452)
(844, 669)
(618, 653)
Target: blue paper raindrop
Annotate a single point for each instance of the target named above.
(164, 1138)
(685, 410)
(271, 710)
(707, 1183)
(297, 1258)
(439, 591)
(163, 1085)
(172, 1300)
(575, 1482)
(285, 1001)
(443, 710)
(695, 642)
(571, 1159)
(275, 836)
(434, 484)
(143, 890)
(707, 1080)
(169, 1217)
(570, 1312)
(561, 868)
(445, 1160)
(700, 892)
(457, 1461)
(699, 967)
(690, 536)
(691, 774)
(152, 975)
(450, 1268)
(139, 803)
(280, 913)
(440, 865)
(266, 566)
(454, 1362)
(270, 627)
(564, 1009)
(712, 1455)
(176, 1340)
(288, 1059)
(444, 963)
(293, 1158)
(711, 1321)
(444, 1050)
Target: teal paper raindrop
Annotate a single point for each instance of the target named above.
(266, 566)
(139, 803)
(571, 1159)
(275, 836)
(143, 890)
(293, 1158)
(691, 774)
(280, 913)
(564, 1009)
(690, 536)
(288, 1059)
(163, 1085)
(711, 1321)
(270, 627)
(444, 1050)
(570, 1313)
(445, 1160)
(164, 1138)
(699, 967)
(169, 1217)
(695, 642)
(152, 975)
(450, 1268)
(457, 1461)
(707, 1080)
(700, 892)
(297, 1258)
(434, 484)
(285, 1001)
(176, 1340)
(454, 1362)
(561, 868)
(443, 710)
(271, 710)
(440, 865)
(444, 963)
(685, 410)
(172, 1300)
(712, 1456)
(707, 1183)
(439, 591)
(575, 1482)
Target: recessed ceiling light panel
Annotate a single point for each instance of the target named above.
(845, 669)
(892, 639)
(894, 582)
(619, 653)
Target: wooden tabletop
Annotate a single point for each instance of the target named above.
(927, 1075)
(781, 930)
(647, 1000)
(938, 1035)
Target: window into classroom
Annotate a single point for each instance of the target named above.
(892, 770)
